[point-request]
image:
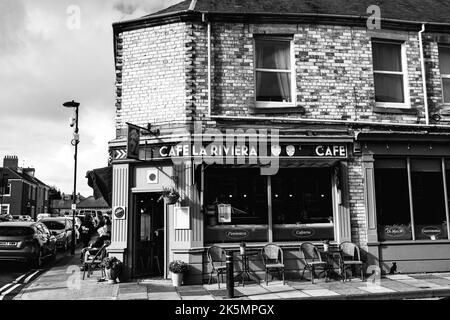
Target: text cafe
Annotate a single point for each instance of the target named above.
(285, 192)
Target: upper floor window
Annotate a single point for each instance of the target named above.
(274, 72)
(6, 190)
(389, 68)
(444, 62)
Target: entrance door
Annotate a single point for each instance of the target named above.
(149, 235)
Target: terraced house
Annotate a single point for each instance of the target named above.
(344, 107)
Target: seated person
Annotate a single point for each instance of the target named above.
(96, 244)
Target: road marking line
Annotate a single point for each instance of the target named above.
(31, 276)
(18, 279)
(5, 286)
(4, 294)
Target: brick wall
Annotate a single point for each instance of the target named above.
(356, 200)
(151, 75)
(334, 72)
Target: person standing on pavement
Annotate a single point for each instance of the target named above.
(87, 229)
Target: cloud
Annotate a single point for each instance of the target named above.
(44, 63)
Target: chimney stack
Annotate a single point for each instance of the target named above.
(11, 162)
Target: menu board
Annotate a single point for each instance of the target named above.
(182, 218)
(224, 211)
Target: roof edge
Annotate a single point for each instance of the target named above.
(166, 18)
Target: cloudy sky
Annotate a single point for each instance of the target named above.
(52, 51)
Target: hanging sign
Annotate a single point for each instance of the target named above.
(133, 138)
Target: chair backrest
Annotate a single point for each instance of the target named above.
(101, 254)
(349, 251)
(272, 253)
(216, 256)
(310, 252)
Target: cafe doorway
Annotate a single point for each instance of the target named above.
(149, 235)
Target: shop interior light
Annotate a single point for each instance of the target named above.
(231, 196)
(290, 196)
(245, 196)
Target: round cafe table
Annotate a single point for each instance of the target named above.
(246, 273)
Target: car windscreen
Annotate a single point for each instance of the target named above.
(54, 225)
(9, 231)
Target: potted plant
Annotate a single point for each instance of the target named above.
(178, 268)
(170, 194)
(113, 268)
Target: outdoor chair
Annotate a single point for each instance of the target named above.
(216, 258)
(272, 256)
(312, 260)
(93, 262)
(349, 257)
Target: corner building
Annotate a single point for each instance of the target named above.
(355, 118)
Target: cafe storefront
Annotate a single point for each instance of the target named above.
(291, 191)
(407, 178)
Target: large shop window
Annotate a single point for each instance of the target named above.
(274, 72)
(428, 199)
(444, 62)
(302, 204)
(421, 183)
(237, 205)
(389, 73)
(392, 199)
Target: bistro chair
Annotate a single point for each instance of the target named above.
(312, 260)
(216, 258)
(93, 262)
(272, 256)
(349, 257)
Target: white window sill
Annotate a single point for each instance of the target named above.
(392, 105)
(271, 104)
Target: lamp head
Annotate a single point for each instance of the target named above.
(71, 104)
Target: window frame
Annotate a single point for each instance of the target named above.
(7, 205)
(292, 71)
(404, 63)
(9, 189)
(443, 75)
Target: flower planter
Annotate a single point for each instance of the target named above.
(177, 279)
(111, 275)
(171, 200)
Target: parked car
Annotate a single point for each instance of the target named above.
(5, 217)
(41, 216)
(21, 218)
(61, 228)
(29, 242)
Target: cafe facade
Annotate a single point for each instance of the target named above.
(279, 128)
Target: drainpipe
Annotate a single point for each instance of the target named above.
(424, 81)
(204, 19)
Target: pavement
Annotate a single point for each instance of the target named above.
(64, 282)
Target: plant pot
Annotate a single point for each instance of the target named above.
(171, 200)
(111, 275)
(177, 279)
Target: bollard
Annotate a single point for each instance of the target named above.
(230, 274)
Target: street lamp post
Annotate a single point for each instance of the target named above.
(75, 141)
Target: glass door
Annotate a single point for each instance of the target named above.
(149, 235)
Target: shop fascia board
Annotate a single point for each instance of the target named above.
(391, 136)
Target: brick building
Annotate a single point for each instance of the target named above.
(355, 117)
(21, 192)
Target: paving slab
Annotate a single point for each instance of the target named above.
(163, 296)
(320, 293)
(267, 296)
(376, 289)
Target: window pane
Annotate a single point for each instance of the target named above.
(273, 86)
(272, 54)
(389, 88)
(446, 89)
(392, 200)
(428, 199)
(235, 205)
(387, 56)
(444, 60)
(302, 205)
